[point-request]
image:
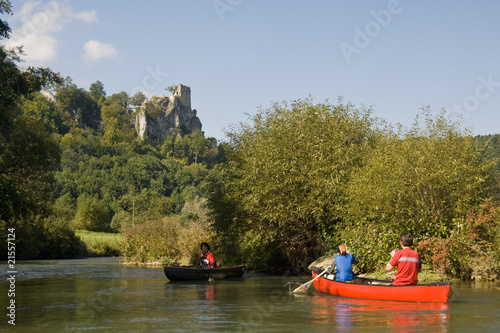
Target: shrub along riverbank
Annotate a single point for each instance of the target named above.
(167, 240)
(101, 244)
(301, 178)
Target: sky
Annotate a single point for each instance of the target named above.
(395, 56)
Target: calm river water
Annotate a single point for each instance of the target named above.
(100, 295)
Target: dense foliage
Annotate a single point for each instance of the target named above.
(28, 157)
(425, 180)
(171, 239)
(302, 178)
(280, 195)
(491, 144)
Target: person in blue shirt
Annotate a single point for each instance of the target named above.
(343, 261)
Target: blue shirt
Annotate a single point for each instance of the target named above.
(344, 270)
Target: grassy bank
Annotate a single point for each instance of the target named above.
(101, 244)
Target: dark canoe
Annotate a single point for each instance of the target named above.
(382, 290)
(183, 273)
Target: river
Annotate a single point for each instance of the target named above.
(101, 295)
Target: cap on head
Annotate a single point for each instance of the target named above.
(342, 249)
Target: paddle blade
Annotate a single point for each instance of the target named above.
(303, 288)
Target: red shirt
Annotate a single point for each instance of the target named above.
(408, 263)
(210, 257)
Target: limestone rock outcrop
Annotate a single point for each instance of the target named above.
(162, 116)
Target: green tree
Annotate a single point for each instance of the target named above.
(197, 144)
(116, 123)
(286, 173)
(40, 109)
(491, 144)
(171, 88)
(5, 8)
(137, 98)
(121, 98)
(28, 154)
(97, 92)
(92, 214)
(422, 180)
(28, 157)
(78, 108)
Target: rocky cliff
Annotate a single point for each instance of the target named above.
(164, 115)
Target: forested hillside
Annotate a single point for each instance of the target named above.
(70, 158)
(101, 176)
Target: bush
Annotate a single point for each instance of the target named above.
(100, 244)
(43, 238)
(471, 251)
(92, 214)
(60, 240)
(425, 181)
(166, 241)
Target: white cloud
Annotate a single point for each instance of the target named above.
(38, 27)
(95, 50)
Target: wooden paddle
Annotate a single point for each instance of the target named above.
(305, 287)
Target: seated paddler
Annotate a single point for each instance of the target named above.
(343, 262)
(207, 258)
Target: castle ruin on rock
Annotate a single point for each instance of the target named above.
(162, 116)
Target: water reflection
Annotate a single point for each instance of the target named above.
(100, 295)
(348, 315)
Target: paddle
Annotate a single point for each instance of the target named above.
(304, 287)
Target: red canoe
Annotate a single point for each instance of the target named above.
(379, 289)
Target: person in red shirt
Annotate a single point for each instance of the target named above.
(406, 260)
(207, 258)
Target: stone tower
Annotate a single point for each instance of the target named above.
(164, 115)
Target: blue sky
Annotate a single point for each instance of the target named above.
(239, 55)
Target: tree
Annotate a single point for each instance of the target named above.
(171, 88)
(92, 214)
(97, 92)
(119, 98)
(197, 144)
(28, 154)
(423, 180)
(77, 107)
(117, 124)
(5, 8)
(286, 173)
(137, 98)
(41, 109)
